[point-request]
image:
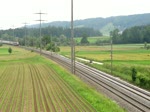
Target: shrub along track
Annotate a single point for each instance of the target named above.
(36, 87)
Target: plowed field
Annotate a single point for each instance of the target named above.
(36, 87)
(31, 83)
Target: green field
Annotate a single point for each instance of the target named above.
(32, 83)
(125, 57)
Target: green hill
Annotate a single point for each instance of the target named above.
(105, 25)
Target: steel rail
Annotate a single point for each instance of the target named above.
(137, 97)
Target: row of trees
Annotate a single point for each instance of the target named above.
(52, 37)
(35, 41)
(137, 34)
(51, 30)
(61, 36)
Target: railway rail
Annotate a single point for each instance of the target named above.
(137, 98)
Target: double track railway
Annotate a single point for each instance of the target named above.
(134, 98)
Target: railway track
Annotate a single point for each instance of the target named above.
(137, 98)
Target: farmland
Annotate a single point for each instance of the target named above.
(125, 57)
(32, 83)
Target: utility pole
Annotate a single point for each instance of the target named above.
(40, 13)
(111, 56)
(13, 35)
(25, 39)
(72, 42)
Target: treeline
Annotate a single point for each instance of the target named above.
(137, 34)
(51, 30)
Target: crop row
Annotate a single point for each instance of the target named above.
(11, 82)
(68, 93)
(36, 87)
(59, 95)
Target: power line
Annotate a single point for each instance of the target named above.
(13, 31)
(25, 33)
(13, 28)
(111, 56)
(72, 42)
(40, 13)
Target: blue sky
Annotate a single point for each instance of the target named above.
(16, 12)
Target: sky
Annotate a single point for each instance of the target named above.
(13, 13)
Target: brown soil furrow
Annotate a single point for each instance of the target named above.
(63, 94)
(38, 90)
(5, 77)
(17, 92)
(34, 92)
(2, 69)
(42, 88)
(62, 97)
(50, 97)
(7, 91)
(28, 93)
(67, 97)
(78, 101)
(55, 90)
(61, 102)
(84, 105)
(21, 96)
(12, 93)
(4, 85)
(63, 90)
(37, 87)
(3, 73)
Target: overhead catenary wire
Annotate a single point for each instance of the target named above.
(40, 20)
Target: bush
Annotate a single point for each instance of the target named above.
(1, 44)
(52, 47)
(56, 49)
(148, 47)
(84, 40)
(143, 79)
(134, 73)
(9, 50)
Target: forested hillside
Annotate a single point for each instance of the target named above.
(50, 30)
(124, 29)
(137, 34)
(105, 25)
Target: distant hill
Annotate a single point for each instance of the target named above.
(105, 25)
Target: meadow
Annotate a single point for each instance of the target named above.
(125, 57)
(32, 83)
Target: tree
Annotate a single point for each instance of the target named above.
(1, 44)
(148, 47)
(45, 40)
(62, 38)
(84, 39)
(9, 50)
(146, 34)
(53, 47)
(145, 45)
(116, 37)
